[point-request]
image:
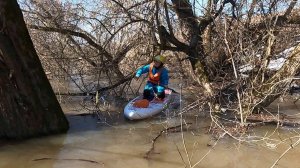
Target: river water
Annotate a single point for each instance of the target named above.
(113, 142)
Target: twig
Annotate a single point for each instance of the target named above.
(235, 74)
(286, 151)
(183, 142)
(180, 155)
(158, 135)
(209, 150)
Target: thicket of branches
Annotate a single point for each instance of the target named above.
(213, 43)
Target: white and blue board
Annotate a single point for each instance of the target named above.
(135, 113)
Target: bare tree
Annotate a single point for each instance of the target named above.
(93, 43)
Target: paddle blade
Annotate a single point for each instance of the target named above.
(168, 91)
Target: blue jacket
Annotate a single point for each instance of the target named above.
(164, 77)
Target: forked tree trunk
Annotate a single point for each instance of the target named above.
(195, 51)
(28, 106)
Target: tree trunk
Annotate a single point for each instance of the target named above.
(195, 51)
(28, 106)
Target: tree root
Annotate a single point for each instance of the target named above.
(169, 129)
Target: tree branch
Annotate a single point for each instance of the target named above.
(77, 34)
(290, 8)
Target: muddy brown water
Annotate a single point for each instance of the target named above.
(113, 142)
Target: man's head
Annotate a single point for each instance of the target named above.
(159, 60)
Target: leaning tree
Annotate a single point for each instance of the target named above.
(28, 106)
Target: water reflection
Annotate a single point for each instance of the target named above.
(22, 154)
(124, 145)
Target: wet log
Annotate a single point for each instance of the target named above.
(281, 120)
(257, 119)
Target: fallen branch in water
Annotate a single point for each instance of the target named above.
(263, 118)
(282, 120)
(285, 152)
(171, 129)
(231, 125)
(84, 160)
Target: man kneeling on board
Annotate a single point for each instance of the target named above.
(158, 78)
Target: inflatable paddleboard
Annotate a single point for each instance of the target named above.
(135, 113)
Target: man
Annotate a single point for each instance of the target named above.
(158, 78)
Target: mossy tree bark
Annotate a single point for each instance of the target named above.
(28, 106)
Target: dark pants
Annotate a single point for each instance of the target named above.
(151, 90)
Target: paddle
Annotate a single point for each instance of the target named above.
(172, 90)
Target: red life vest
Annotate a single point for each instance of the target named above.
(154, 78)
